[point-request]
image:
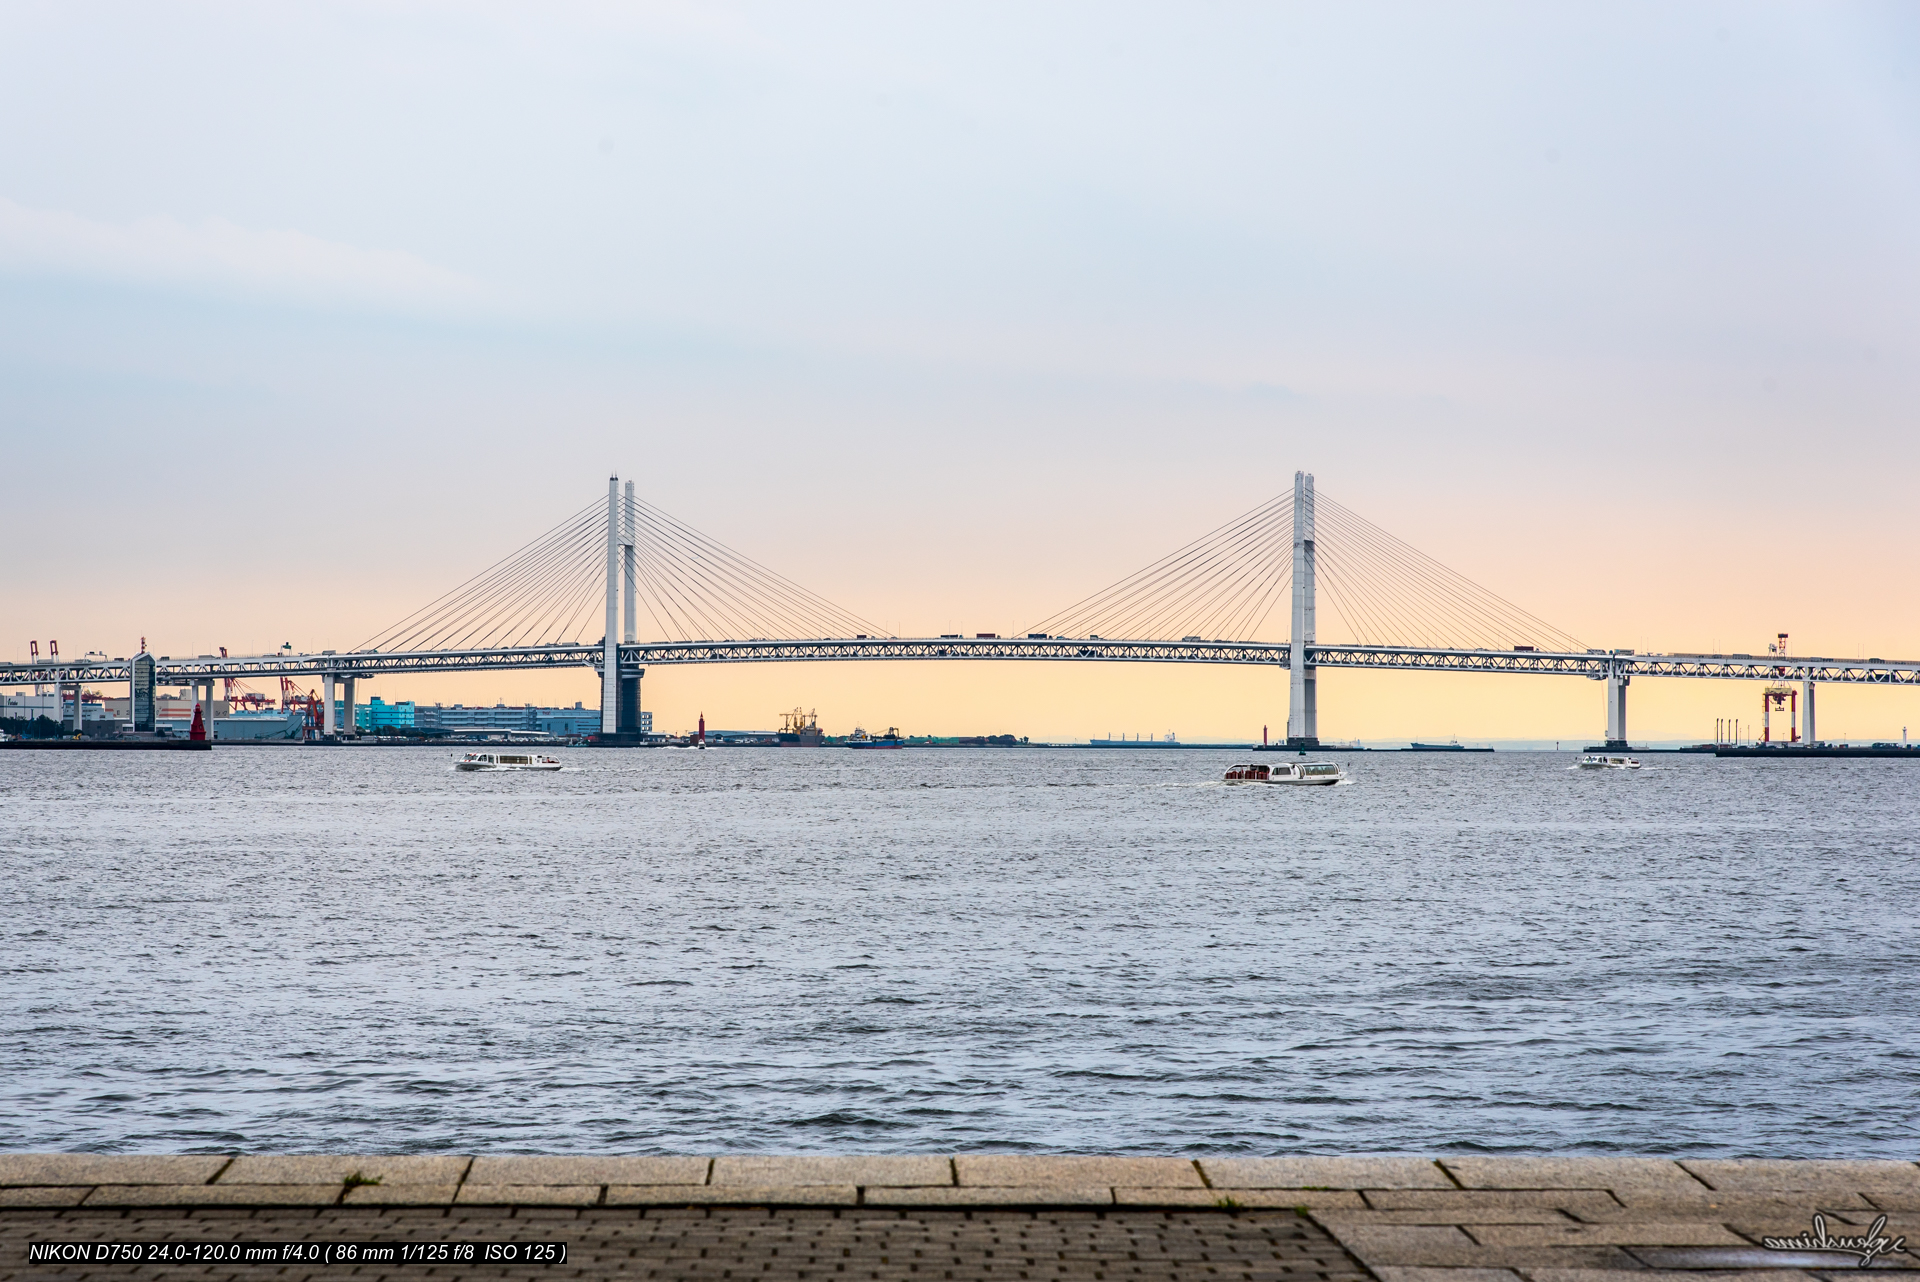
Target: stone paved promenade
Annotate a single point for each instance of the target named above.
(1400, 1219)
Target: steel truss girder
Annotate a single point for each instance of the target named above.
(1594, 665)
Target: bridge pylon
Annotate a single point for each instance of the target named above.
(1303, 712)
(610, 643)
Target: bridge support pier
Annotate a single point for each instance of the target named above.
(1616, 705)
(630, 704)
(1807, 735)
(1303, 710)
(349, 721)
(329, 720)
(203, 695)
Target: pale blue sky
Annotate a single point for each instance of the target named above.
(958, 312)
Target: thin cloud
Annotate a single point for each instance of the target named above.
(221, 256)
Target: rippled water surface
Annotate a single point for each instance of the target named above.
(816, 950)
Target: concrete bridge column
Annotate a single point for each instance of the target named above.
(1616, 705)
(349, 724)
(329, 722)
(610, 656)
(1303, 712)
(1807, 735)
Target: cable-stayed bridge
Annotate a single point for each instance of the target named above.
(585, 593)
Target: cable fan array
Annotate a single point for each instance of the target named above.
(1227, 584)
(1222, 586)
(553, 592)
(1388, 592)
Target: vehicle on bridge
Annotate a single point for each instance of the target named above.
(1307, 773)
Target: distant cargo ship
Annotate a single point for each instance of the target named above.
(1441, 747)
(861, 739)
(800, 729)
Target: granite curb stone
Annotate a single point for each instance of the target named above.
(1806, 1175)
(995, 1171)
(1664, 1275)
(529, 1194)
(1584, 1203)
(539, 1171)
(330, 1169)
(100, 1168)
(1324, 1173)
(1243, 1199)
(1569, 1173)
(400, 1195)
(53, 1195)
(1419, 1273)
(976, 1195)
(731, 1195)
(213, 1195)
(1639, 1233)
(782, 1172)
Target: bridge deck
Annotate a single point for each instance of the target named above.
(1592, 664)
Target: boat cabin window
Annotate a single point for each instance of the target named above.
(1320, 768)
(516, 761)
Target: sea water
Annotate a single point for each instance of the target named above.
(816, 950)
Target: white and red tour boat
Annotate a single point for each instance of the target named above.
(1308, 773)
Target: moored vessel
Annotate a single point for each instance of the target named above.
(861, 739)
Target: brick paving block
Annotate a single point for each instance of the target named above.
(975, 1195)
(1449, 1247)
(1725, 1208)
(1645, 1233)
(1663, 1275)
(722, 1242)
(589, 1170)
(996, 1171)
(43, 1196)
(400, 1194)
(1456, 1215)
(106, 1168)
(1755, 1176)
(1569, 1173)
(731, 1195)
(1324, 1172)
(1416, 1273)
(213, 1195)
(333, 1169)
(1758, 1257)
(779, 1172)
(1394, 1243)
(1582, 1204)
(1237, 1199)
(472, 1194)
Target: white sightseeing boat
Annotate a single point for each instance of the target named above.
(1307, 773)
(1600, 761)
(505, 761)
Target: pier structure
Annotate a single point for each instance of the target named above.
(970, 1216)
(1210, 601)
